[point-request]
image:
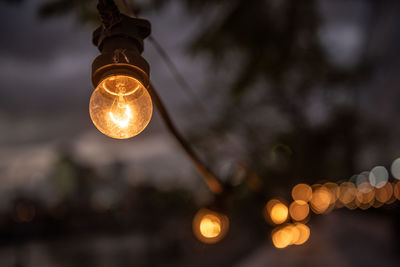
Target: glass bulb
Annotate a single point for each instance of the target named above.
(120, 107)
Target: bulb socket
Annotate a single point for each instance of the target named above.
(121, 47)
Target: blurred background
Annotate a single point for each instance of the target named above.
(285, 92)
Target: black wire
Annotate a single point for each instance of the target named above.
(210, 179)
(109, 13)
(179, 78)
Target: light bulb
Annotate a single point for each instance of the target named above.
(210, 226)
(120, 107)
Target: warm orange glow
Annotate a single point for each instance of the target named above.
(302, 192)
(352, 205)
(210, 226)
(391, 200)
(321, 199)
(299, 210)
(282, 237)
(120, 107)
(364, 205)
(295, 233)
(121, 118)
(291, 234)
(396, 190)
(347, 193)
(304, 231)
(377, 204)
(279, 213)
(383, 194)
(334, 188)
(365, 193)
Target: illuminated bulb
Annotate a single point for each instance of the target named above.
(304, 233)
(291, 234)
(282, 237)
(209, 226)
(279, 213)
(321, 199)
(302, 192)
(347, 193)
(299, 210)
(120, 107)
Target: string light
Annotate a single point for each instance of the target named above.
(365, 190)
(321, 199)
(120, 106)
(302, 192)
(290, 234)
(210, 226)
(276, 212)
(299, 210)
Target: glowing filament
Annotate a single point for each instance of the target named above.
(120, 107)
(122, 122)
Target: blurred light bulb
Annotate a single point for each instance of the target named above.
(290, 234)
(210, 226)
(120, 107)
(321, 199)
(299, 210)
(302, 192)
(282, 237)
(279, 213)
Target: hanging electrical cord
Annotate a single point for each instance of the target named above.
(189, 91)
(118, 27)
(109, 13)
(212, 182)
(187, 88)
(179, 78)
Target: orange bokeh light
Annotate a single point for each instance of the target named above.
(347, 193)
(210, 226)
(321, 199)
(384, 194)
(396, 190)
(304, 233)
(365, 193)
(302, 192)
(282, 238)
(299, 210)
(277, 211)
(291, 234)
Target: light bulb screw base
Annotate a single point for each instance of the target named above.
(121, 46)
